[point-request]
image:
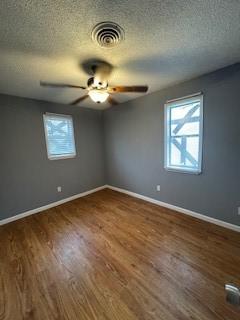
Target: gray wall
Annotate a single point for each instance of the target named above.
(27, 178)
(128, 153)
(134, 146)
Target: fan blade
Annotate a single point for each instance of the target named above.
(79, 99)
(112, 101)
(128, 89)
(59, 85)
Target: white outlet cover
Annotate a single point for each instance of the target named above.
(59, 189)
(158, 187)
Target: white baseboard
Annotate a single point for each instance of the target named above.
(178, 209)
(130, 193)
(50, 205)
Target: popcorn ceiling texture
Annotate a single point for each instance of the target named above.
(166, 42)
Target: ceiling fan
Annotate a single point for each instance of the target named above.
(97, 86)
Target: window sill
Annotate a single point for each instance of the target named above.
(180, 170)
(62, 157)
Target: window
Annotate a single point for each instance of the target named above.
(183, 134)
(59, 136)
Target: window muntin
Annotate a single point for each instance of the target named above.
(183, 134)
(59, 134)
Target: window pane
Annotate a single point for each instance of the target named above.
(185, 119)
(59, 136)
(175, 155)
(188, 128)
(193, 149)
(179, 112)
(184, 151)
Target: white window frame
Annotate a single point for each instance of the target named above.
(60, 156)
(167, 132)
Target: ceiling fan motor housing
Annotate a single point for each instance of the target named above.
(90, 81)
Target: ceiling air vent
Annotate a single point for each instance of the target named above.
(107, 34)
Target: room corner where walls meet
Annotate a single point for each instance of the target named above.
(134, 147)
(123, 147)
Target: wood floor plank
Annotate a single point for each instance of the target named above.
(109, 256)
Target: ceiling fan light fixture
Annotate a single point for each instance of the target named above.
(98, 96)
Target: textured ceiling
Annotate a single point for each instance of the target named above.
(166, 41)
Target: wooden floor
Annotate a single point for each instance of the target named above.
(110, 256)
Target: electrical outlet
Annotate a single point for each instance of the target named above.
(239, 211)
(158, 187)
(59, 189)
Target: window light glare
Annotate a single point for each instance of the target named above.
(183, 134)
(59, 134)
